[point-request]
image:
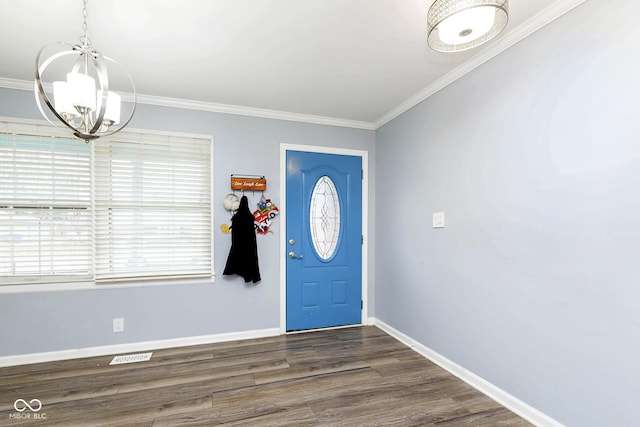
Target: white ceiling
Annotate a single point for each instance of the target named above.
(359, 61)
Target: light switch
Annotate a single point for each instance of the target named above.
(438, 220)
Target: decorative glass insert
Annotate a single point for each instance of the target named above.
(325, 217)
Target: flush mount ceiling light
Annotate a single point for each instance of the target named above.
(456, 25)
(82, 97)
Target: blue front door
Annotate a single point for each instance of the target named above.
(324, 240)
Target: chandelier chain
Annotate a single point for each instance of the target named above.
(84, 39)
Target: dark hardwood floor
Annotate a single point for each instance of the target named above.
(353, 376)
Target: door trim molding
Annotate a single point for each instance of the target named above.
(364, 155)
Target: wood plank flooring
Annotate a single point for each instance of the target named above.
(348, 377)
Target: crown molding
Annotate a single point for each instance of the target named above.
(15, 84)
(253, 112)
(519, 33)
(512, 37)
(217, 108)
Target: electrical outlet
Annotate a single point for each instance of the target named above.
(438, 220)
(118, 324)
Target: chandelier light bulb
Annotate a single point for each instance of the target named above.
(62, 100)
(82, 91)
(112, 112)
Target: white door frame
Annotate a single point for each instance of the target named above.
(283, 224)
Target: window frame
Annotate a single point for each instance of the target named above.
(44, 129)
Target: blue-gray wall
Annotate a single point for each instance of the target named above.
(534, 283)
(50, 321)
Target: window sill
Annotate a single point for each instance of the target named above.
(84, 286)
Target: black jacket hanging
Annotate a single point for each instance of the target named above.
(243, 256)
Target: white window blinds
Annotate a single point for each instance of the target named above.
(152, 207)
(45, 207)
(133, 206)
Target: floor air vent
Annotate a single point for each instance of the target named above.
(131, 358)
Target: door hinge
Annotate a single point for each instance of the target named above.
(361, 173)
(361, 304)
(362, 239)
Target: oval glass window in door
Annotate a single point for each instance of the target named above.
(324, 214)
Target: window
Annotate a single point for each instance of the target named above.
(127, 207)
(45, 208)
(324, 217)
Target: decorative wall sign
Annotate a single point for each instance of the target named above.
(248, 183)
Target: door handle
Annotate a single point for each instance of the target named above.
(293, 255)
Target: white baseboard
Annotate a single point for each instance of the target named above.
(510, 402)
(507, 400)
(52, 356)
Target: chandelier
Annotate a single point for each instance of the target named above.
(82, 97)
(456, 25)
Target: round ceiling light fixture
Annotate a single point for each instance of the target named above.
(457, 25)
